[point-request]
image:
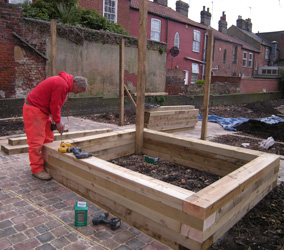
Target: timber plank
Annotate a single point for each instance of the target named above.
(180, 117)
(123, 203)
(171, 125)
(204, 161)
(16, 144)
(220, 150)
(142, 223)
(11, 150)
(212, 198)
(176, 107)
(57, 136)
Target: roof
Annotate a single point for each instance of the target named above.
(231, 39)
(167, 12)
(253, 36)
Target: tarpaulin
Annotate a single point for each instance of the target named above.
(231, 123)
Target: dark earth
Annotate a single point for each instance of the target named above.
(263, 226)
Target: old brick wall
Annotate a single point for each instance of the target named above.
(259, 85)
(21, 67)
(175, 82)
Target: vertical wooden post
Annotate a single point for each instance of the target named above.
(121, 82)
(141, 81)
(207, 84)
(52, 47)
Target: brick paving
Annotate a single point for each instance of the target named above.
(24, 225)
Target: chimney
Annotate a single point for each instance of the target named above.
(205, 17)
(223, 24)
(182, 7)
(162, 2)
(249, 25)
(244, 24)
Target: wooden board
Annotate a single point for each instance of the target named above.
(176, 217)
(171, 118)
(18, 145)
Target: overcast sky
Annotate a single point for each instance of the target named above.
(265, 15)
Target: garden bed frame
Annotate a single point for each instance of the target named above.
(177, 217)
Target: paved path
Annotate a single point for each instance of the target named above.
(24, 225)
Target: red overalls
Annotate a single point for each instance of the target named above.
(46, 98)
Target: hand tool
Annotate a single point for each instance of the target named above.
(78, 153)
(113, 222)
(65, 147)
(53, 126)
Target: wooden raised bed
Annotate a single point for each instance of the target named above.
(177, 217)
(167, 118)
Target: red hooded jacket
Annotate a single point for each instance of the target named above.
(49, 95)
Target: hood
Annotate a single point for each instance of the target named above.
(68, 79)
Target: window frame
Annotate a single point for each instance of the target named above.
(110, 13)
(245, 58)
(186, 77)
(177, 40)
(250, 60)
(196, 41)
(266, 53)
(235, 53)
(19, 1)
(157, 31)
(224, 56)
(194, 73)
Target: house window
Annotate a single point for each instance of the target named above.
(110, 10)
(266, 53)
(245, 59)
(194, 73)
(235, 50)
(224, 56)
(19, 1)
(196, 41)
(250, 60)
(186, 77)
(155, 29)
(177, 40)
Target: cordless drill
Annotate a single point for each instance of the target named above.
(78, 153)
(102, 219)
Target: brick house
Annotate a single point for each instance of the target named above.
(276, 39)
(243, 32)
(184, 37)
(231, 56)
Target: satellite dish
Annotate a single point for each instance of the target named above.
(174, 51)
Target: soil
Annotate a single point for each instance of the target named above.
(263, 226)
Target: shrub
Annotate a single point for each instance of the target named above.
(200, 81)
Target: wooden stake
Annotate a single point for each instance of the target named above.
(130, 96)
(207, 84)
(52, 47)
(121, 82)
(142, 45)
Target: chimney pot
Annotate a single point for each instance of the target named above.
(182, 8)
(162, 2)
(205, 17)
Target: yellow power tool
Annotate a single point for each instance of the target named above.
(65, 147)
